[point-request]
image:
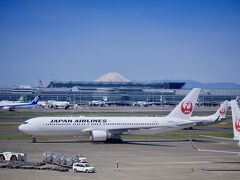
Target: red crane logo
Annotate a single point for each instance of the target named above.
(237, 124)
(186, 107)
(222, 111)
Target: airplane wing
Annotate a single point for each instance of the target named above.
(212, 150)
(187, 124)
(123, 130)
(217, 119)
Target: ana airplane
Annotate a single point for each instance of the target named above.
(236, 131)
(111, 128)
(217, 117)
(10, 106)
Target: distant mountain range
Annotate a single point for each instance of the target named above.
(116, 77)
(221, 85)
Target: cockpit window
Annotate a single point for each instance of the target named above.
(25, 122)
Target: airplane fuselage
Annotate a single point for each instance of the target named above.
(78, 125)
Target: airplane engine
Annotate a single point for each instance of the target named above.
(7, 109)
(99, 135)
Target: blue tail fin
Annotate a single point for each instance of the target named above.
(35, 101)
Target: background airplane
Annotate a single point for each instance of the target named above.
(54, 104)
(10, 106)
(217, 117)
(21, 99)
(236, 131)
(58, 104)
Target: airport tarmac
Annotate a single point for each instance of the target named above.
(138, 159)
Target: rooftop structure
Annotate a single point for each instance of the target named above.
(115, 80)
(95, 84)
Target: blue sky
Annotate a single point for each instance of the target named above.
(142, 40)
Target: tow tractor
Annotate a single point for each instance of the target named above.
(12, 156)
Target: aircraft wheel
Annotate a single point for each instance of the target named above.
(2, 157)
(13, 158)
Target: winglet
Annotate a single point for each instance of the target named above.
(185, 108)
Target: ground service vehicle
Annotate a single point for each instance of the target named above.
(83, 167)
(62, 159)
(12, 156)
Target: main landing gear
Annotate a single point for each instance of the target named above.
(115, 139)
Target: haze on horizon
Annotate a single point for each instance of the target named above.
(142, 40)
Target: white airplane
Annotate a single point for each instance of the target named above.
(42, 104)
(10, 106)
(58, 104)
(96, 103)
(217, 117)
(236, 131)
(21, 99)
(111, 128)
(99, 103)
(143, 103)
(149, 103)
(235, 121)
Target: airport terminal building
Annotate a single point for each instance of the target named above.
(117, 92)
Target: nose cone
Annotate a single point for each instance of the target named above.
(24, 128)
(21, 127)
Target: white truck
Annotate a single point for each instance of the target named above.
(13, 156)
(83, 167)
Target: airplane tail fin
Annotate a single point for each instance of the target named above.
(222, 110)
(185, 108)
(35, 101)
(235, 119)
(21, 99)
(237, 99)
